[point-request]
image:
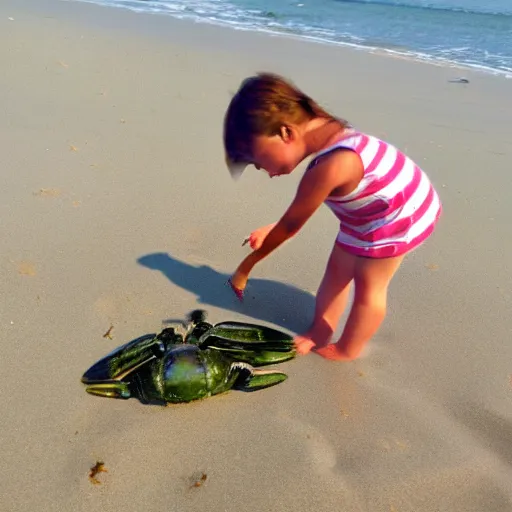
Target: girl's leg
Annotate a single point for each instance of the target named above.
(371, 279)
(331, 300)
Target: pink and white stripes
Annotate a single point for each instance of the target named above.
(393, 209)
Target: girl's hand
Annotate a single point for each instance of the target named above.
(239, 279)
(257, 237)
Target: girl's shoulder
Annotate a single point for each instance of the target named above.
(347, 141)
(339, 166)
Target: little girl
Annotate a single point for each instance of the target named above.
(385, 203)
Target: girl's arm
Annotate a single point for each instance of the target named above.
(338, 169)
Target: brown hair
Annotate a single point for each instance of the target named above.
(263, 104)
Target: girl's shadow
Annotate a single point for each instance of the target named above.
(265, 300)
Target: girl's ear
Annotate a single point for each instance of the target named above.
(286, 133)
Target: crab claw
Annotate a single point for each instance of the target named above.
(113, 389)
(124, 360)
(253, 379)
(254, 344)
(256, 356)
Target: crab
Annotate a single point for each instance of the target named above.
(202, 361)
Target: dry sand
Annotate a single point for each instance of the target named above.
(116, 209)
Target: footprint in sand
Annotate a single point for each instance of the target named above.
(321, 453)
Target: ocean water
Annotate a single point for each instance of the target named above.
(475, 33)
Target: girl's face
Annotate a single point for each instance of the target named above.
(278, 154)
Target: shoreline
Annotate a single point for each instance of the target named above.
(414, 56)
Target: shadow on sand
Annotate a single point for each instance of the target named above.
(265, 300)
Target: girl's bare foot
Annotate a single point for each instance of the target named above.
(334, 353)
(304, 343)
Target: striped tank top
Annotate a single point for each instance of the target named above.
(393, 209)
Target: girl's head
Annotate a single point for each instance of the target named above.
(264, 125)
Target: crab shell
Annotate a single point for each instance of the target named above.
(211, 360)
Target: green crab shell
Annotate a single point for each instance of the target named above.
(188, 373)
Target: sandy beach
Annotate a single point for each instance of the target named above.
(116, 209)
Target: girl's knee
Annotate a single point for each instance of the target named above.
(368, 294)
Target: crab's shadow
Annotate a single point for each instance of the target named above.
(265, 300)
